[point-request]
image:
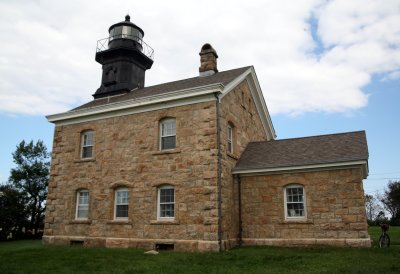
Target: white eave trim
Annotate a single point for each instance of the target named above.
(258, 98)
(261, 171)
(165, 100)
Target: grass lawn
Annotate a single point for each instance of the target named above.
(33, 257)
(394, 233)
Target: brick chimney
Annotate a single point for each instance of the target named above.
(208, 60)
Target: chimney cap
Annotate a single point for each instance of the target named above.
(207, 48)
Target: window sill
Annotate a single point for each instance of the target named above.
(164, 222)
(167, 151)
(297, 221)
(232, 156)
(119, 222)
(80, 222)
(85, 160)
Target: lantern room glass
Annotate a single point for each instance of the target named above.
(126, 32)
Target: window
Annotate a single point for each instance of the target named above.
(295, 202)
(121, 203)
(117, 32)
(230, 138)
(125, 32)
(87, 144)
(168, 134)
(82, 204)
(166, 202)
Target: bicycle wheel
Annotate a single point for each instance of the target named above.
(384, 240)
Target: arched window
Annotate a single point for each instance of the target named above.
(295, 202)
(121, 203)
(166, 203)
(82, 204)
(168, 133)
(87, 144)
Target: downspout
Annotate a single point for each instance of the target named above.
(219, 170)
(240, 210)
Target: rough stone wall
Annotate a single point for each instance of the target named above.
(238, 110)
(334, 202)
(126, 153)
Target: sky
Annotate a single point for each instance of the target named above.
(323, 66)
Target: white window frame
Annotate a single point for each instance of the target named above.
(163, 135)
(230, 139)
(85, 143)
(79, 204)
(159, 217)
(287, 217)
(116, 203)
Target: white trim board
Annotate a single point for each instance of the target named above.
(131, 107)
(250, 76)
(303, 168)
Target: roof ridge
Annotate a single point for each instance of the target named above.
(186, 79)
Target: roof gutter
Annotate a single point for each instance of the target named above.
(240, 236)
(288, 169)
(143, 102)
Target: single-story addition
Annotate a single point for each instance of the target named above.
(304, 191)
(194, 165)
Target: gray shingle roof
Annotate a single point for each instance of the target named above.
(323, 149)
(223, 77)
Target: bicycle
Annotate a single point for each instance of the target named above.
(384, 240)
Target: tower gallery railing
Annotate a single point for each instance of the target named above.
(103, 44)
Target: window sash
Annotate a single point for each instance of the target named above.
(82, 204)
(121, 211)
(87, 144)
(168, 128)
(121, 204)
(168, 142)
(168, 134)
(230, 147)
(87, 152)
(295, 202)
(166, 203)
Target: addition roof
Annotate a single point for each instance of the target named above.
(315, 151)
(223, 77)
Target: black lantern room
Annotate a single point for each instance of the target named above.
(124, 57)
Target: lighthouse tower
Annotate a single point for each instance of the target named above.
(124, 57)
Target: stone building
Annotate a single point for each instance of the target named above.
(194, 164)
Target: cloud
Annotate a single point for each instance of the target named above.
(310, 56)
(392, 76)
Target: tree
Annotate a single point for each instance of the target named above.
(31, 177)
(372, 207)
(13, 214)
(391, 200)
